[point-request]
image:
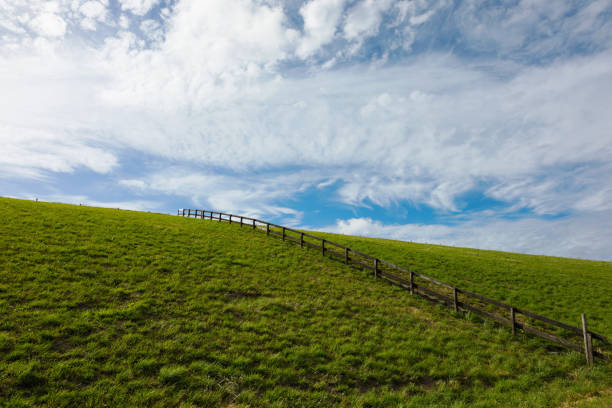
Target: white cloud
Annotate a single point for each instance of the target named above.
(152, 30)
(124, 22)
(421, 18)
(242, 194)
(134, 183)
(235, 50)
(48, 25)
(585, 236)
(364, 18)
(28, 151)
(138, 7)
(93, 11)
(321, 18)
(534, 28)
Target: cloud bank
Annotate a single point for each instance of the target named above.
(491, 126)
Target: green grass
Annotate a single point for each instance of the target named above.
(558, 288)
(106, 307)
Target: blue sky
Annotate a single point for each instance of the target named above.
(478, 124)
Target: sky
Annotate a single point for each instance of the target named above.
(464, 123)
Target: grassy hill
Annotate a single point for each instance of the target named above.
(107, 307)
(558, 288)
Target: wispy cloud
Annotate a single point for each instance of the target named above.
(584, 237)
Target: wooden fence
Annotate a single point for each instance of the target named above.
(432, 289)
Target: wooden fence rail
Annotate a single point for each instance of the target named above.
(426, 286)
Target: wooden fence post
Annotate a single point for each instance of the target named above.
(323, 247)
(513, 320)
(301, 240)
(455, 299)
(346, 258)
(588, 342)
(253, 224)
(241, 221)
(283, 233)
(230, 218)
(411, 284)
(219, 217)
(189, 213)
(375, 266)
(267, 229)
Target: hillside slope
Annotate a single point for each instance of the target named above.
(558, 288)
(113, 307)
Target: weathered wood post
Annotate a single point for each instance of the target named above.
(513, 320)
(455, 299)
(346, 257)
(189, 213)
(323, 247)
(219, 217)
(267, 229)
(241, 221)
(411, 284)
(375, 266)
(301, 240)
(253, 224)
(230, 218)
(588, 341)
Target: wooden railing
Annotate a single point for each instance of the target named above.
(428, 287)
